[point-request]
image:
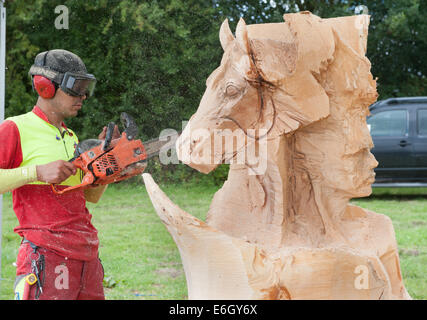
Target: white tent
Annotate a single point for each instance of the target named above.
(2, 88)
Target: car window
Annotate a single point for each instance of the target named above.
(389, 123)
(422, 122)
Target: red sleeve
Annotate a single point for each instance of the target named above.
(10, 145)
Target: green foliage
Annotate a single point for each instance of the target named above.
(151, 58)
(397, 47)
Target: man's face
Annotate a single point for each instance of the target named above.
(66, 105)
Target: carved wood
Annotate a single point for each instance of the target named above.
(281, 227)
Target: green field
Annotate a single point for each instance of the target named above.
(141, 260)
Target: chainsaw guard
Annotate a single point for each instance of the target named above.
(88, 179)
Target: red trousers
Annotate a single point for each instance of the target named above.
(63, 279)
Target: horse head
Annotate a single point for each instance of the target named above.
(265, 86)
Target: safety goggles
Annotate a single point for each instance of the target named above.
(76, 84)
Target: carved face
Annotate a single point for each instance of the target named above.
(359, 162)
(348, 165)
(337, 154)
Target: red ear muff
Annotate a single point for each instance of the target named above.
(44, 87)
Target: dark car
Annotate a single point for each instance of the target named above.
(398, 128)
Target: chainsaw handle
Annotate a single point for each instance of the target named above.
(57, 191)
(108, 135)
(131, 129)
(87, 179)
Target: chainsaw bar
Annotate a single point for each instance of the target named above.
(152, 149)
(154, 146)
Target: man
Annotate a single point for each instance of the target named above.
(58, 257)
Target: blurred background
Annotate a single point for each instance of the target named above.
(151, 58)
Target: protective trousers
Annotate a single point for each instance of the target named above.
(42, 274)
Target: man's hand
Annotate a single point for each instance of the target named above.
(56, 171)
(116, 133)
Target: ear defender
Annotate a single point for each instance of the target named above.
(44, 87)
(63, 69)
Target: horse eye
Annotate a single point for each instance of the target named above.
(231, 90)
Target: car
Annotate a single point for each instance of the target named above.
(398, 127)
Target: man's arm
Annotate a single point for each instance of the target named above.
(53, 172)
(11, 176)
(14, 178)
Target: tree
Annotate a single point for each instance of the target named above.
(396, 42)
(150, 58)
(397, 46)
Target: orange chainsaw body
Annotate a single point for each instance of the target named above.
(123, 159)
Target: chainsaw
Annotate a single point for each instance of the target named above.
(112, 160)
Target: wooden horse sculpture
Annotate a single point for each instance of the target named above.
(281, 227)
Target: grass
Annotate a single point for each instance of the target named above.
(140, 258)
(141, 261)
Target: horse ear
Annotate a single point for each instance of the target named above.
(242, 36)
(225, 35)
